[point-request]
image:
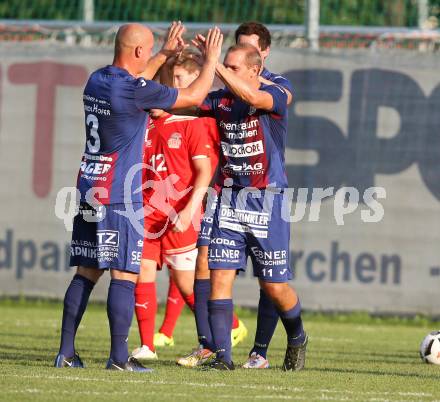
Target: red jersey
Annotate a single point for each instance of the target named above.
(171, 144)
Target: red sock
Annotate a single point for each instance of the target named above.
(175, 304)
(189, 300)
(234, 321)
(146, 308)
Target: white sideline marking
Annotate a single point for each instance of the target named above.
(219, 385)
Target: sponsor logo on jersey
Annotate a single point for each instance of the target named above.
(242, 150)
(245, 167)
(175, 141)
(95, 168)
(225, 108)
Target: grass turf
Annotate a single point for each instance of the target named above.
(350, 358)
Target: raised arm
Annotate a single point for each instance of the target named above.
(173, 44)
(279, 83)
(244, 90)
(196, 93)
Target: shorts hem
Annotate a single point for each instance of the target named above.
(106, 268)
(272, 280)
(226, 268)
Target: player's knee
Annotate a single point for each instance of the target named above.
(92, 274)
(148, 271)
(184, 281)
(202, 267)
(275, 290)
(124, 275)
(221, 283)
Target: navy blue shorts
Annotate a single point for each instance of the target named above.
(244, 226)
(104, 238)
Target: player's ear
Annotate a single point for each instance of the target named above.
(264, 53)
(138, 51)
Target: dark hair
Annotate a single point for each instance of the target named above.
(252, 57)
(255, 28)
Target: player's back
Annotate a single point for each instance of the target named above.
(115, 119)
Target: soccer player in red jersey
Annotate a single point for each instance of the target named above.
(180, 73)
(177, 158)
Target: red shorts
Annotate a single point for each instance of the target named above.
(160, 241)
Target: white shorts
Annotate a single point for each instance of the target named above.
(181, 261)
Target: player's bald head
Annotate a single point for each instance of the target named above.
(133, 45)
(130, 36)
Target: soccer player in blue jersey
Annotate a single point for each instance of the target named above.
(252, 119)
(257, 35)
(108, 229)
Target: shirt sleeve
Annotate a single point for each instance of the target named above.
(207, 108)
(152, 95)
(284, 82)
(197, 139)
(213, 140)
(279, 97)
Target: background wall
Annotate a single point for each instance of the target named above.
(360, 119)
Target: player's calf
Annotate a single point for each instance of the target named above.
(289, 309)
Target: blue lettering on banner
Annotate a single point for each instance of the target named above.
(357, 158)
(334, 265)
(24, 255)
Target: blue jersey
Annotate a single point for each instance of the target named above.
(115, 105)
(277, 79)
(252, 140)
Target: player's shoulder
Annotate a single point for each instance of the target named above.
(276, 79)
(182, 124)
(208, 121)
(269, 75)
(177, 120)
(220, 94)
(113, 73)
(278, 89)
(209, 126)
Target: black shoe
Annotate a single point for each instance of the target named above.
(130, 365)
(295, 358)
(62, 361)
(218, 364)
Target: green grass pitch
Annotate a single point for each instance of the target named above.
(350, 358)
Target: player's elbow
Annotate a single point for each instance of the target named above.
(190, 98)
(198, 99)
(252, 99)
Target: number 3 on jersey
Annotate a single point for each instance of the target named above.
(93, 124)
(158, 162)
